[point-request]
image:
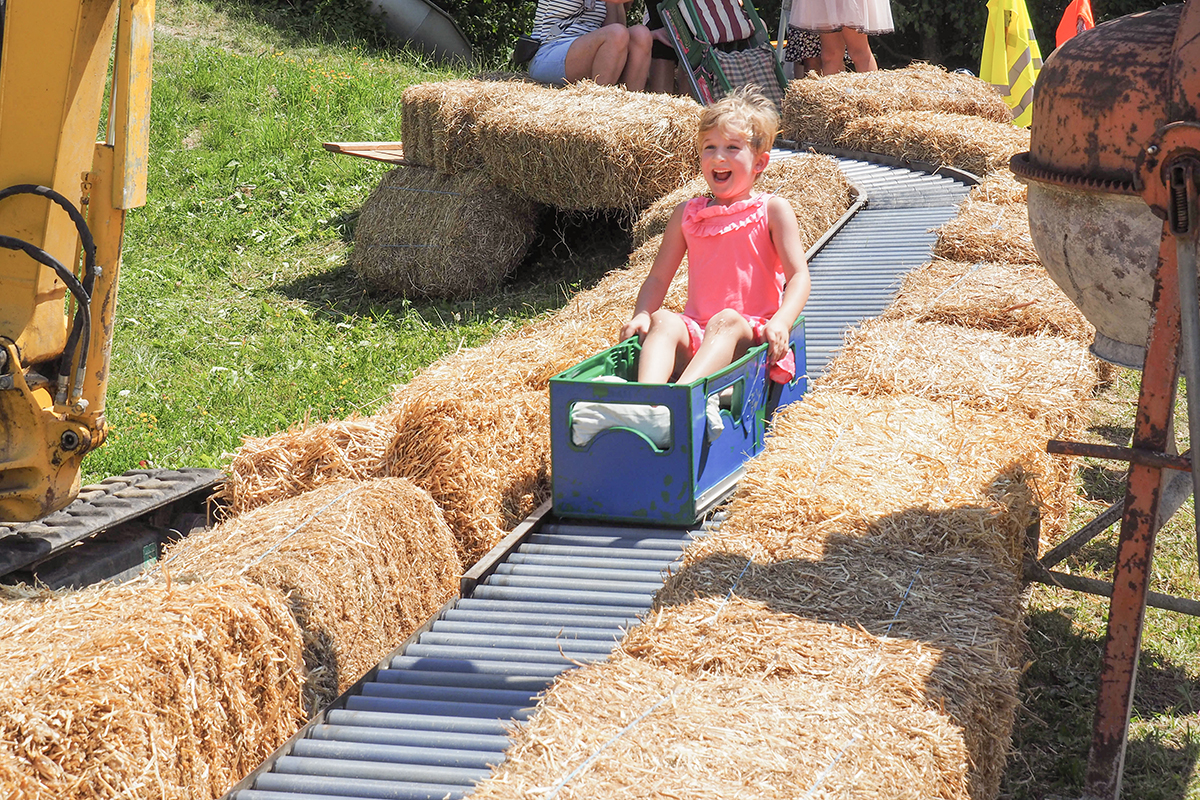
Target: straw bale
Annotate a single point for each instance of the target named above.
(987, 231)
(913, 628)
(425, 234)
(817, 110)
(362, 563)
(153, 690)
(438, 119)
(1015, 299)
(265, 469)
(979, 146)
(921, 475)
(1044, 377)
(654, 733)
(484, 460)
(813, 184)
(1001, 187)
(589, 147)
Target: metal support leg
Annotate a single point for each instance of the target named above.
(1139, 525)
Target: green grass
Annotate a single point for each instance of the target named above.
(1066, 637)
(237, 315)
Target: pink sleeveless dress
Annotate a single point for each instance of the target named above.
(732, 263)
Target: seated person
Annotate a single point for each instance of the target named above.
(589, 39)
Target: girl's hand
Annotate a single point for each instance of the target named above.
(638, 325)
(777, 335)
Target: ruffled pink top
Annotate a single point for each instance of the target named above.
(732, 262)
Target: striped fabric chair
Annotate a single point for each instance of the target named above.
(723, 45)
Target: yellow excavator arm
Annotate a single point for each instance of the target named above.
(63, 198)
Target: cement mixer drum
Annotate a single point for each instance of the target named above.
(1099, 100)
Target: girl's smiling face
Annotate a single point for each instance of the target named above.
(730, 165)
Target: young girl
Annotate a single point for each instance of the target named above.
(747, 277)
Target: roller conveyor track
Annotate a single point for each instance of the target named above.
(433, 718)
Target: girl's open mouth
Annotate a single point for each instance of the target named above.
(721, 175)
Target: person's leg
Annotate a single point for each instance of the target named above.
(860, 50)
(662, 76)
(665, 347)
(727, 337)
(599, 55)
(833, 52)
(637, 63)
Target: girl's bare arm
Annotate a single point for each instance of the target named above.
(662, 272)
(785, 235)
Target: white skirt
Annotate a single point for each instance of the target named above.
(867, 16)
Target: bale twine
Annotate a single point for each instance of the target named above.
(817, 110)
(813, 184)
(589, 147)
(425, 234)
(628, 729)
(361, 563)
(438, 119)
(906, 626)
(987, 231)
(485, 460)
(1043, 377)
(979, 146)
(1014, 299)
(916, 474)
(154, 690)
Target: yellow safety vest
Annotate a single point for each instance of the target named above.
(1011, 57)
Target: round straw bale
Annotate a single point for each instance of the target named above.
(979, 146)
(813, 184)
(425, 234)
(1044, 377)
(917, 474)
(485, 461)
(628, 729)
(362, 563)
(1014, 299)
(987, 231)
(438, 119)
(148, 690)
(817, 110)
(589, 147)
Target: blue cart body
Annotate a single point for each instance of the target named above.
(622, 475)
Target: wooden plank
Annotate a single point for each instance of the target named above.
(389, 152)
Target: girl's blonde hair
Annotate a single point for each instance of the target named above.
(746, 111)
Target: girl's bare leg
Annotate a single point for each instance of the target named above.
(637, 63)
(727, 337)
(665, 348)
(833, 49)
(860, 50)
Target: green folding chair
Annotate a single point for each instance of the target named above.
(722, 45)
